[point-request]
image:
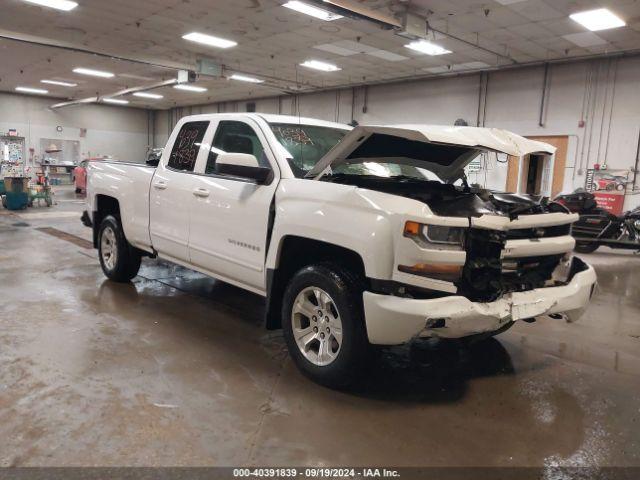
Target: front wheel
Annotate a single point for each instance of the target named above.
(586, 247)
(323, 323)
(119, 260)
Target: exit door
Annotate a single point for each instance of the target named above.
(539, 174)
(535, 180)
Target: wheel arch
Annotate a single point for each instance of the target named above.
(103, 205)
(294, 253)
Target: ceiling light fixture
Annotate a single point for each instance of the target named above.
(244, 78)
(322, 66)
(62, 84)
(148, 95)
(599, 19)
(427, 48)
(209, 40)
(312, 11)
(190, 88)
(115, 100)
(39, 91)
(65, 5)
(93, 73)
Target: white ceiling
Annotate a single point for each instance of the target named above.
(273, 41)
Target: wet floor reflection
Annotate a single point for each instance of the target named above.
(433, 371)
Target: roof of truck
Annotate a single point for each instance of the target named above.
(272, 118)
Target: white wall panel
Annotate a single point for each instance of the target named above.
(120, 132)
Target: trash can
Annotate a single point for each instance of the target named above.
(17, 196)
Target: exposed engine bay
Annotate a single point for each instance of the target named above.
(486, 275)
(450, 200)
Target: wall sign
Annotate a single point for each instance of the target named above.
(608, 187)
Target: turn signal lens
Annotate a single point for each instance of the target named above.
(411, 229)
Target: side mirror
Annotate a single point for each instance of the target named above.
(242, 165)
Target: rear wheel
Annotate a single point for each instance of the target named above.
(119, 260)
(323, 323)
(586, 247)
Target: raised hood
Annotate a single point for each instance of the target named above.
(443, 150)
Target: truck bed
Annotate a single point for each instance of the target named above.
(130, 184)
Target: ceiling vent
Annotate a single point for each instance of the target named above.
(413, 26)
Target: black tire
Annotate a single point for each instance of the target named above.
(586, 247)
(126, 264)
(345, 289)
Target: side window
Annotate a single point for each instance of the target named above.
(187, 145)
(236, 137)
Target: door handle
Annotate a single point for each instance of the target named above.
(201, 192)
(159, 185)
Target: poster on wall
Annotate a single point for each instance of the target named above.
(609, 188)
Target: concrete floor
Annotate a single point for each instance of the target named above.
(175, 369)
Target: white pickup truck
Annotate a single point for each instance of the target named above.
(357, 237)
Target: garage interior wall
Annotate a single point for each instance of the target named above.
(602, 93)
(123, 133)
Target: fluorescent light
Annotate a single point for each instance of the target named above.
(62, 84)
(318, 65)
(190, 88)
(94, 73)
(65, 5)
(39, 91)
(115, 100)
(244, 78)
(428, 48)
(209, 40)
(599, 19)
(148, 95)
(311, 10)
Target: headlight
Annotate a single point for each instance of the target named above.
(636, 224)
(435, 236)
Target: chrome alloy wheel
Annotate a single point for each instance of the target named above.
(316, 325)
(109, 248)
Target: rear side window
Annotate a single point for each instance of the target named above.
(187, 145)
(236, 137)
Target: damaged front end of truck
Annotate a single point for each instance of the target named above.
(491, 258)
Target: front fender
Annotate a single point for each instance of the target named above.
(360, 220)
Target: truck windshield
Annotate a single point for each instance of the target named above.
(306, 144)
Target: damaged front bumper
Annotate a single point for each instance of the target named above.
(395, 320)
